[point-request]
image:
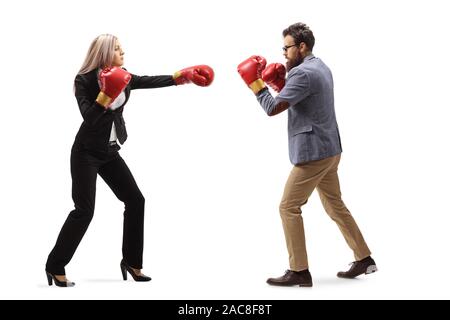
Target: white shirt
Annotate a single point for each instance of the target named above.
(120, 100)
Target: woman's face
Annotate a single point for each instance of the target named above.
(118, 55)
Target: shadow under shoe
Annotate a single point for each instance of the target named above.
(124, 267)
(51, 278)
(292, 278)
(364, 266)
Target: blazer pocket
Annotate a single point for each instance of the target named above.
(303, 129)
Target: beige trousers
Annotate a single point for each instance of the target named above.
(304, 178)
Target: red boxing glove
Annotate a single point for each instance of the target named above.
(251, 70)
(275, 76)
(201, 75)
(113, 81)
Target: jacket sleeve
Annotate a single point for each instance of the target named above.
(297, 88)
(147, 82)
(90, 110)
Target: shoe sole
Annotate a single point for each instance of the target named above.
(302, 285)
(309, 285)
(370, 269)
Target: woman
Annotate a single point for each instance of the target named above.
(102, 88)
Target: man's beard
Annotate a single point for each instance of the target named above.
(292, 63)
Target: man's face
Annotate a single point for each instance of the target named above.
(292, 52)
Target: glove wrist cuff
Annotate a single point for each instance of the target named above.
(176, 75)
(179, 78)
(103, 99)
(257, 85)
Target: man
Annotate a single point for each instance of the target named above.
(314, 148)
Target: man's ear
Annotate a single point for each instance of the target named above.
(303, 48)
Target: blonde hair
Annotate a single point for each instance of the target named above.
(100, 53)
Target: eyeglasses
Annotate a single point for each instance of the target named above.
(285, 48)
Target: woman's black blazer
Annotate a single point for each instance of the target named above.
(95, 130)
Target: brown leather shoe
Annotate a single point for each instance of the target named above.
(292, 278)
(366, 266)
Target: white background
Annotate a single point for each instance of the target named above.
(212, 165)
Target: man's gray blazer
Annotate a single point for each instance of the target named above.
(312, 127)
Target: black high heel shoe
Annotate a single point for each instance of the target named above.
(51, 278)
(125, 267)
